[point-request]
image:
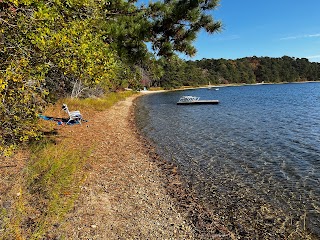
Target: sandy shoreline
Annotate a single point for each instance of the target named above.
(130, 193)
(242, 210)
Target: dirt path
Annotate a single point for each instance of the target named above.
(124, 195)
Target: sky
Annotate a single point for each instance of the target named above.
(262, 28)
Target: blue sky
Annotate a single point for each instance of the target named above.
(272, 28)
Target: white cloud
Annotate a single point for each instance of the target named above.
(314, 35)
(314, 58)
(301, 36)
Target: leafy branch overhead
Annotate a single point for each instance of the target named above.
(49, 48)
(174, 25)
(169, 26)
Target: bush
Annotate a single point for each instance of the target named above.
(21, 100)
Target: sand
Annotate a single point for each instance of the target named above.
(130, 192)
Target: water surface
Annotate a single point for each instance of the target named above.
(254, 158)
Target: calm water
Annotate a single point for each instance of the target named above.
(254, 159)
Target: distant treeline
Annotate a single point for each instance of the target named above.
(245, 70)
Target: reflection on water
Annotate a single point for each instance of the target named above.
(254, 158)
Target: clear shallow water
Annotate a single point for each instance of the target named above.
(254, 157)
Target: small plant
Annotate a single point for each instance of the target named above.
(54, 176)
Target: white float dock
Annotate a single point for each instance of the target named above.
(185, 100)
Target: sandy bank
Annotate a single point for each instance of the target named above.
(130, 193)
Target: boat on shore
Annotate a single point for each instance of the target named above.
(185, 100)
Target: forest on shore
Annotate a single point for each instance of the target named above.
(54, 49)
(247, 70)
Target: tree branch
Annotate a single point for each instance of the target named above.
(11, 25)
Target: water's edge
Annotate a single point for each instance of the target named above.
(237, 209)
(204, 223)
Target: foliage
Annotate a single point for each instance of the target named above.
(168, 26)
(244, 70)
(174, 24)
(21, 99)
(51, 49)
(45, 44)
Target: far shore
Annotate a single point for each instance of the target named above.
(221, 86)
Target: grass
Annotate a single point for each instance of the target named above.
(97, 104)
(54, 177)
(156, 88)
(51, 184)
(47, 188)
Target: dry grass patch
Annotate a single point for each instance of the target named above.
(38, 190)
